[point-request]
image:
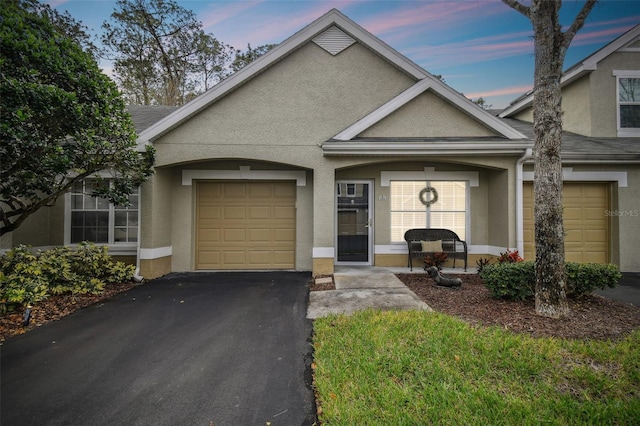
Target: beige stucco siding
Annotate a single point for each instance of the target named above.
(576, 106)
(299, 102)
(627, 219)
(525, 115)
(428, 115)
(43, 228)
(603, 92)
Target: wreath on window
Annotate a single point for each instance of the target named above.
(434, 196)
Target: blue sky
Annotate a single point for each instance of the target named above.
(482, 48)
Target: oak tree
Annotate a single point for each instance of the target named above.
(550, 47)
(62, 119)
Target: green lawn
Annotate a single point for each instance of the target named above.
(406, 368)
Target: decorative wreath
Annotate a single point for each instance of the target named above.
(434, 196)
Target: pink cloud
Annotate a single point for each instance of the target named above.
(403, 24)
(515, 90)
(226, 11)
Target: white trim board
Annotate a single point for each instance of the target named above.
(414, 91)
(323, 252)
(155, 253)
(569, 175)
(429, 173)
(244, 173)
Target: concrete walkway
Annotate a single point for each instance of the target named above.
(364, 287)
(359, 288)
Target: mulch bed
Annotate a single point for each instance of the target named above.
(591, 317)
(54, 308)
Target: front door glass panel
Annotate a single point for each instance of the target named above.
(353, 222)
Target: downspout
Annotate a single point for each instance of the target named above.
(528, 154)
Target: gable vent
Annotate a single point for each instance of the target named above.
(334, 40)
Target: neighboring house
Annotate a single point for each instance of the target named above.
(315, 155)
(601, 146)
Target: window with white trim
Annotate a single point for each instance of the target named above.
(628, 103)
(408, 211)
(97, 220)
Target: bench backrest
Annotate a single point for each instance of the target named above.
(430, 234)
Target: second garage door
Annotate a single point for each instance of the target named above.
(245, 225)
(585, 222)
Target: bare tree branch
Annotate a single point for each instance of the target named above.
(515, 4)
(578, 22)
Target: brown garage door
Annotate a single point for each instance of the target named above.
(585, 222)
(245, 225)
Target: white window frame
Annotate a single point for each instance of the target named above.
(467, 215)
(625, 131)
(122, 248)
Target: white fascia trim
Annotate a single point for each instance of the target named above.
(323, 252)
(333, 17)
(569, 175)
(587, 65)
(244, 173)
(369, 149)
(155, 253)
(429, 173)
(416, 90)
(626, 73)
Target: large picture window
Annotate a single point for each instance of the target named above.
(408, 211)
(628, 103)
(97, 220)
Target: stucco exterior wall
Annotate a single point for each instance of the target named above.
(576, 106)
(44, 228)
(428, 115)
(295, 105)
(525, 115)
(603, 91)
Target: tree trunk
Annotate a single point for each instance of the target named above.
(551, 300)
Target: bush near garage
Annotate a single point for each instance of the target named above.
(28, 277)
(516, 280)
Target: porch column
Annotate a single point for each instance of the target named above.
(323, 220)
(155, 251)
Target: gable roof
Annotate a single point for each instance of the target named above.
(333, 18)
(581, 68)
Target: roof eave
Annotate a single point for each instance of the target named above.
(360, 148)
(333, 17)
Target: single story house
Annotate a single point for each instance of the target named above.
(318, 153)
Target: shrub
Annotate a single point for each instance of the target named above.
(517, 280)
(23, 281)
(482, 263)
(510, 257)
(510, 280)
(583, 278)
(29, 277)
(437, 260)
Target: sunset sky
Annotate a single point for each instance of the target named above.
(482, 48)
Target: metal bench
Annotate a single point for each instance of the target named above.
(452, 245)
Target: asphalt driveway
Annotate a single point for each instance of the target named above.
(186, 349)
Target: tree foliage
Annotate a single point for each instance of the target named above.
(62, 118)
(162, 55)
(550, 46)
(243, 59)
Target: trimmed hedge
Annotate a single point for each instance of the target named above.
(27, 277)
(517, 280)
